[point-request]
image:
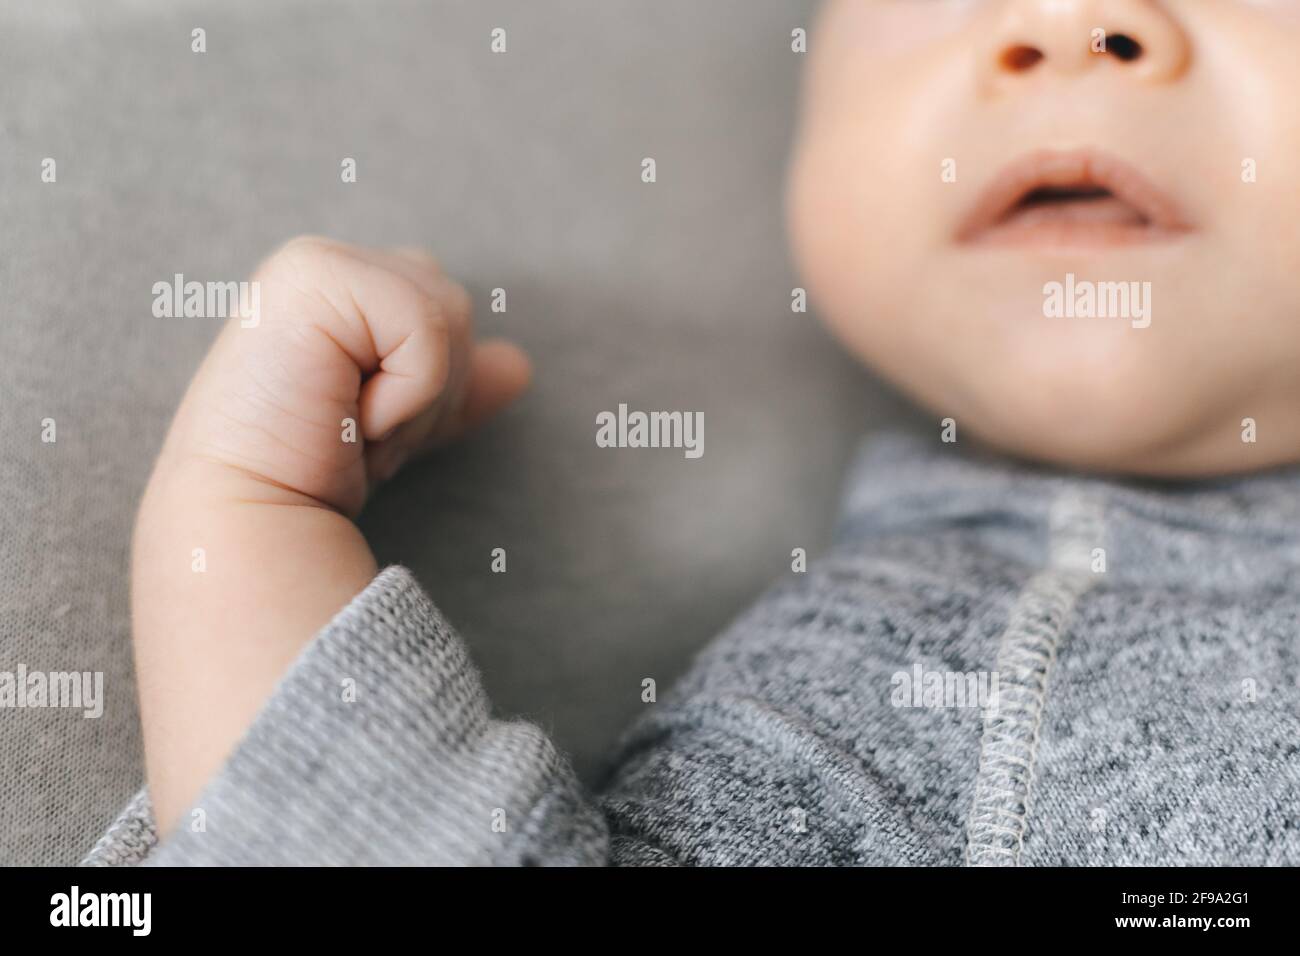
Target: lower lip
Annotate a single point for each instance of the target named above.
(1052, 232)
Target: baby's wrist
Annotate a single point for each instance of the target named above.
(186, 478)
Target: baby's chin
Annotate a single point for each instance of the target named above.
(1121, 448)
(1143, 407)
(1146, 428)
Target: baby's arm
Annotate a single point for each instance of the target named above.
(244, 544)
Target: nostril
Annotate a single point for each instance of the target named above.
(1124, 47)
(1021, 57)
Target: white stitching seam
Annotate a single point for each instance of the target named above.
(995, 829)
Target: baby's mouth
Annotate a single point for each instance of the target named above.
(1071, 199)
(1074, 204)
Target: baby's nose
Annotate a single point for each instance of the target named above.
(1029, 38)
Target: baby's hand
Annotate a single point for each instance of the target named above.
(244, 546)
(358, 359)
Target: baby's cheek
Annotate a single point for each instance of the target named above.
(890, 28)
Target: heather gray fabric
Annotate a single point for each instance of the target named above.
(1148, 711)
(522, 171)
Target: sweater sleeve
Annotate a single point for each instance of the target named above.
(378, 747)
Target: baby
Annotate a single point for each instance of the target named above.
(1067, 228)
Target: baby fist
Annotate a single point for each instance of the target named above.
(359, 359)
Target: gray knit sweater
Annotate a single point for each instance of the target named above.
(993, 666)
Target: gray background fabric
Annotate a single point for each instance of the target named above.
(520, 171)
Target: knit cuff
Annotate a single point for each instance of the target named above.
(377, 747)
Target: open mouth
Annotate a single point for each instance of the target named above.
(1075, 198)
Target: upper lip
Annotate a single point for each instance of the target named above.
(1082, 170)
